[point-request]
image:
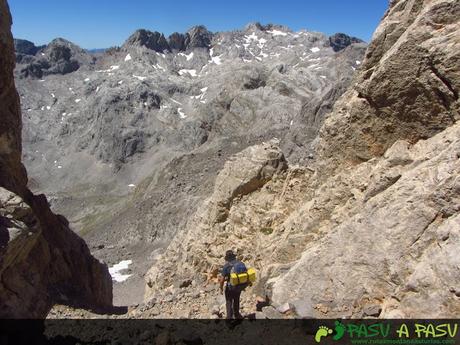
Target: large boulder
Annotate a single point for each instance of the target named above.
(190, 251)
(244, 173)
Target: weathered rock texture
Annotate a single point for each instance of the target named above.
(408, 87)
(221, 223)
(42, 261)
(390, 224)
(393, 229)
(371, 228)
(244, 174)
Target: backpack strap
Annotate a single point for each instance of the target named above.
(230, 275)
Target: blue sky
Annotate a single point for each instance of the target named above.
(104, 23)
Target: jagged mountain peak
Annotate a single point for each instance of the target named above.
(25, 47)
(198, 28)
(340, 41)
(198, 37)
(177, 41)
(153, 40)
(61, 48)
(61, 41)
(60, 56)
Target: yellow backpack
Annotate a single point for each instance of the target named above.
(241, 278)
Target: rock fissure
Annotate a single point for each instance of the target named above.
(443, 79)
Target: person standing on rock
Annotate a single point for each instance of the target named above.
(232, 293)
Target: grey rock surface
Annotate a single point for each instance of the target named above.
(271, 313)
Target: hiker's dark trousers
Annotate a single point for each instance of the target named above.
(232, 297)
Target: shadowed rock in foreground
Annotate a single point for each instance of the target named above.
(42, 262)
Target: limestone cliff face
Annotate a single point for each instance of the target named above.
(387, 239)
(371, 228)
(384, 234)
(408, 85)
(42, 261)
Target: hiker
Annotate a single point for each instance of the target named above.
(232, 293)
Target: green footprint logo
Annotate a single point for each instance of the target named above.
(322, 331)
(339, 330)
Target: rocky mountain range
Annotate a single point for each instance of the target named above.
(330, 167)
(127, 143)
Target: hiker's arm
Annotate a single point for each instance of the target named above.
(221, 283)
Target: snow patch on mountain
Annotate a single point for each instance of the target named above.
(181, 113)
(277, 33)
(115, 271)
(141, 78)
(215, 59)
(192, 72)
(188, 57)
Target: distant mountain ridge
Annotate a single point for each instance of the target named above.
(61, 56)
(196, 36)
